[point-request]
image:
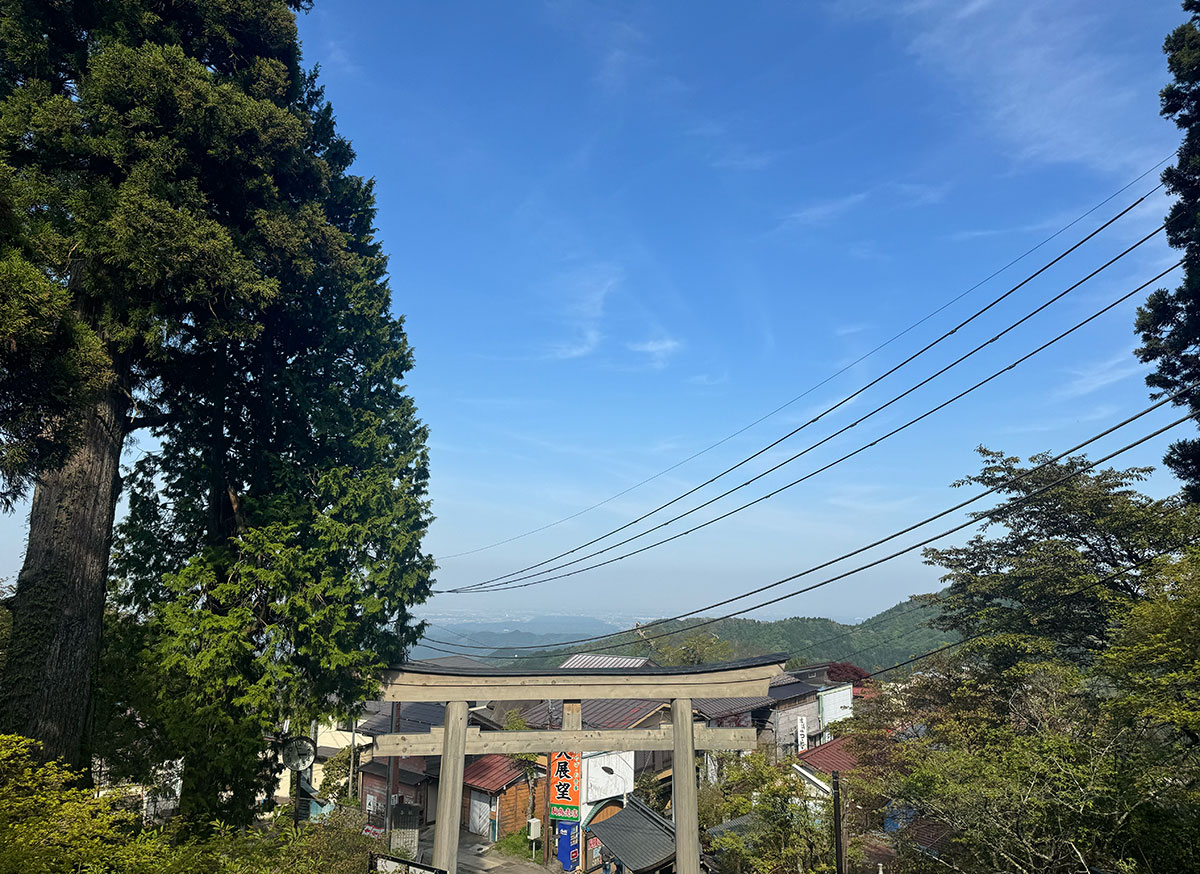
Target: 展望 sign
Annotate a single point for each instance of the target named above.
(565, 778)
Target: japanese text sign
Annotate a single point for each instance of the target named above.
(565, 777)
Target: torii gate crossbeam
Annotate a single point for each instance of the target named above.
(456, 687)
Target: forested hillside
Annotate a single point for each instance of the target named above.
(889, 637)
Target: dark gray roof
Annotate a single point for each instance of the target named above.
(782, 691)
(715, 708)
(638, 836)
(452, 661)
(597, 712)
(378, 767)
(735, 826)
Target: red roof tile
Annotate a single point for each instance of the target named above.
(830, 757)
(492, 773)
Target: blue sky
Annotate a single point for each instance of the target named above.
(620, 232)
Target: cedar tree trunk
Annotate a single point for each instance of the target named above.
(45, 692)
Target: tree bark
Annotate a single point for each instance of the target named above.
(58, 607)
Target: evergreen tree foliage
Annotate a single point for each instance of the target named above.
(214, 263)
(272, 546)
(146, 152)
(1169, 321)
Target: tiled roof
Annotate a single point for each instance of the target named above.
(638, 836)
(492, 773)
(830, 757)
(715, 708)
(597, 713)
(591, 660)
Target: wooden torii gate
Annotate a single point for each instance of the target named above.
(456, 687)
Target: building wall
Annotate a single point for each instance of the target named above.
(510, 807)
(599, 784)
(374, 797)
(837, 703)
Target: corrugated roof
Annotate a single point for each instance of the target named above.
(638, 836)
(492, 773)
(597, 713)
(715, 708)
(592, 660)
(830, 757)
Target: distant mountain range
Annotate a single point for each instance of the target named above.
(890, 637)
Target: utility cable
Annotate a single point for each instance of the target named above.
(875, 563)
(537, 579)
(1066, 596)
(820, 384)
(494, 581)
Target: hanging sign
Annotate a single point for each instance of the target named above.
(565, 779)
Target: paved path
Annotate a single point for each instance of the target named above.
(476, 856)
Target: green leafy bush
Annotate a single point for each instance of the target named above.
(50, 825)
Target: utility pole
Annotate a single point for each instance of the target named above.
(351, 789)
(839, 860)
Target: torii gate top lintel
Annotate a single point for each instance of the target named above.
(743, 678)
(455, 687)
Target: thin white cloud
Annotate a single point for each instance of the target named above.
(826, 210)
(708, 379)
(583, 295)
(1104, 412)
(1100, 374)
(738, 158)
(1043, 77)
(582, 346)
(658, 351)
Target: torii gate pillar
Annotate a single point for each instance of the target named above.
(450, 787)
(453, 741)
(683, 785)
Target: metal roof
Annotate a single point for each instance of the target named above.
(736, 826)
(790, 688)
(638, 836)
(492, 773)
(592, 660)
(830, 757)
(676, 670)
(715, 708)
(596, 712)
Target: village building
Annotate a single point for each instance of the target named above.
(496, 796)
(639, 840)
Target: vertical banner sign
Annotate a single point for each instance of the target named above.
(565, 777)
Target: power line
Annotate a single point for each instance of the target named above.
(539, 578)
(1064, 597)
(861, 568)
(828, 563)
(820, 384)
(508, 577)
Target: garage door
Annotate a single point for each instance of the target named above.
(480, 820)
